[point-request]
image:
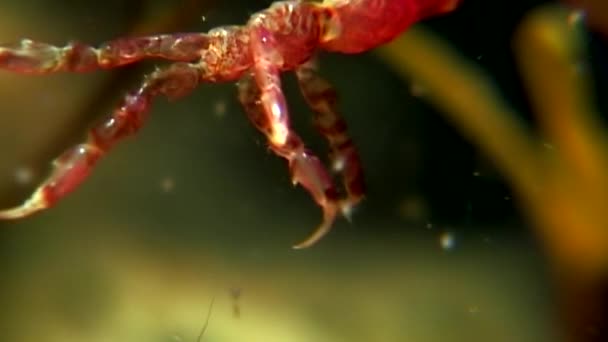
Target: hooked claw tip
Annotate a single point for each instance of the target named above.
(329, 215)
(30, 206)
(15, 213)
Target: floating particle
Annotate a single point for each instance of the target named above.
(219, 108)
(167, 184)
(24, 175)
(447, 241)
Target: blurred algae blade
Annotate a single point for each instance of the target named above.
(571, 214)
(469, 100)
(564, 189)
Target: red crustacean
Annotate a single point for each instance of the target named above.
(283, 37)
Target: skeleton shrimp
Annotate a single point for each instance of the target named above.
(283, 37)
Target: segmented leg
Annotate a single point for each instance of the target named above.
(75, 164)
(322, 98)
(33, 57)
(305, 168)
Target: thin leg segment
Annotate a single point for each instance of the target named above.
(75, 164)
(31, 57)
(322, 98)
(306, 169)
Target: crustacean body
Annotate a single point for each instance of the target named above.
(282, 38)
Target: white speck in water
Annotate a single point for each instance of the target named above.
(219, 108)
(24, 175)
(203, 18)
(429, 225)
(447, 241)
(167, 184)
(476, 174)
(507, 198)
(473, 309)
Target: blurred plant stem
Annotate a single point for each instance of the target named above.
(563, 188)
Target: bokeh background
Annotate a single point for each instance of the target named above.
(196, 209)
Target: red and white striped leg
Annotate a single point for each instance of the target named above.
(32, 57)
(306, 169)
(75, 164)
(322, 98)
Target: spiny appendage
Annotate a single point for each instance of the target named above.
(74, 165)
(69, 170)
(306, 169)
(33, 57)
(322, 98)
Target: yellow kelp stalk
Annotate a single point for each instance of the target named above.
(564, 189)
